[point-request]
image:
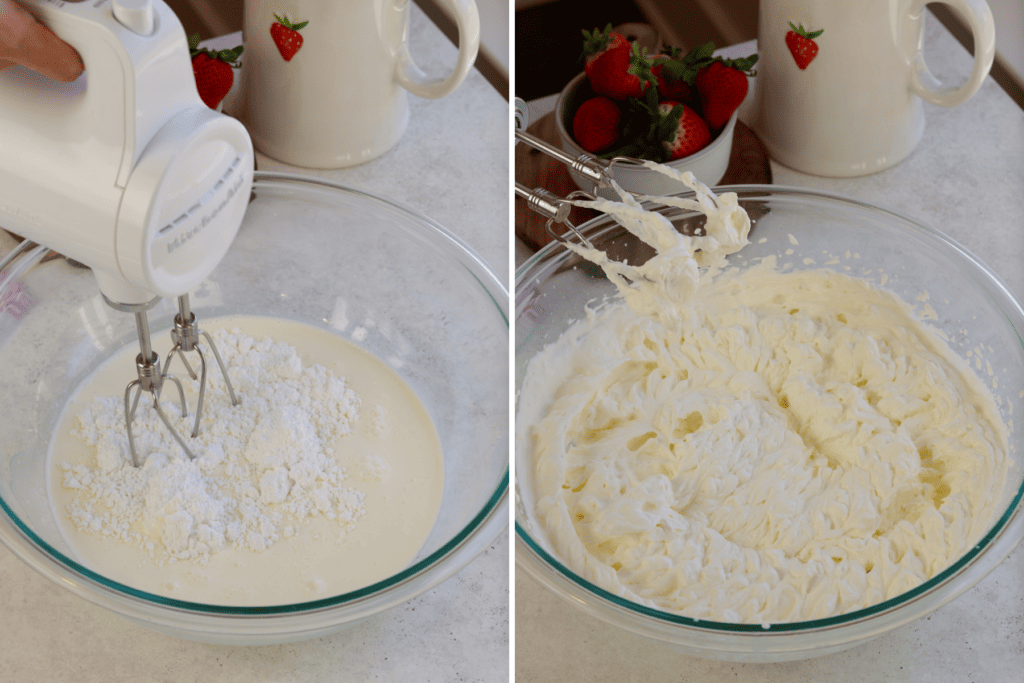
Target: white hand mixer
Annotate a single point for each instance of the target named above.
(127, 171)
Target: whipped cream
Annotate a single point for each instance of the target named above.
(776, 446)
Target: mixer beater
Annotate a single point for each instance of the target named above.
(185, 336)
(549, 205)
(600, 173)
(151, 378)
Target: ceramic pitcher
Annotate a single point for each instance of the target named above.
(841, 82)
(327, 81)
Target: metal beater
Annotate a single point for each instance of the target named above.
(128, 172)
(546, 203)
(150, 379)
(185, 336)
(599, 172)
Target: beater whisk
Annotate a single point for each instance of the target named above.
(556, 209)
(150, 379)
(602, 174)
(185, 336)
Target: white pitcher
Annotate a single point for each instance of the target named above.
(326, 81)
(841, 82)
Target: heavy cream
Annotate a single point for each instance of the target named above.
(327, 477)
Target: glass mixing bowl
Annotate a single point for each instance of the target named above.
(973, 307)
(388, 279)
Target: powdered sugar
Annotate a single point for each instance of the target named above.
(262, 468)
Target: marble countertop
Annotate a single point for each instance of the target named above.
(451, 165)
(966, 179)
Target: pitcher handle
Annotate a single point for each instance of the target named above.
(409, 75)
(979, 19)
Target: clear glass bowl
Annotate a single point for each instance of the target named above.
(552, 288)
(311, 251)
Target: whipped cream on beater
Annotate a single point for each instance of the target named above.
(775, 446)
(658, 287)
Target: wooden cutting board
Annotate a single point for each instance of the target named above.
(748, 164)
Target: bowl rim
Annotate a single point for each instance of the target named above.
(1003, 536)
(86, 583)
(724, 134)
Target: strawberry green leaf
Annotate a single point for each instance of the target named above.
(669, 124)
(671, 69)
(231, 56)
(800, 30)
(702, 52)
(744, 64)
(652, 101)
(687, 67)
(283, 20)
(640, 65)
(596, 41)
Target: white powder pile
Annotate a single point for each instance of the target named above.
(262, 468)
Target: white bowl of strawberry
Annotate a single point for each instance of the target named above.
(674, 108)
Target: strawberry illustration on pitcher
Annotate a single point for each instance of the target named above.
(286, 36)
(801, 44)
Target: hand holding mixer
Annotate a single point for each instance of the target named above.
(127, 171)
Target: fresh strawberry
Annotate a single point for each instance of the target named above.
(286, 36)
(678, 90)
(801, 44)
(675, 72)
(670, 85)
(615, 67)
(213, 71)
(658, 130)
(596, 124)
(682, 131)
(722, 85)
(607, 58)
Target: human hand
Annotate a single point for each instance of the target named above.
(23, 40)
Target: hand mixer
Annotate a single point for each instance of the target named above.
(127, 171)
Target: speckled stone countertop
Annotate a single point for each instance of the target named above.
(451, 165)
(966, 178)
